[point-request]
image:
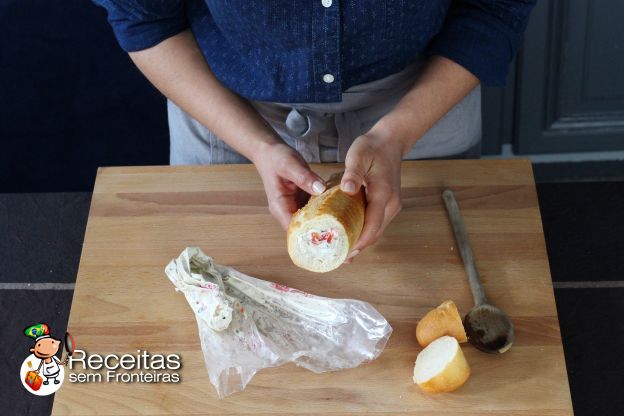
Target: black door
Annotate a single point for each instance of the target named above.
(566, 90)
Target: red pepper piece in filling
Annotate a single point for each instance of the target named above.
(317, 238)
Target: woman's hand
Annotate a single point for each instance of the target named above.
(374, 161)
(287, 178)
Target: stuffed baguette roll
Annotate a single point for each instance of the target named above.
(322, 233)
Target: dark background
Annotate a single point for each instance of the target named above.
(71, 100)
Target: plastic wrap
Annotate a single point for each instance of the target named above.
(246, 324)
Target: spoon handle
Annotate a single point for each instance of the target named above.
(465, 249)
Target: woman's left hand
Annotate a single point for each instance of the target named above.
(374, 161)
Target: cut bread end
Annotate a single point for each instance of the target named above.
(441, 366)
(319, 244)
(443, 320)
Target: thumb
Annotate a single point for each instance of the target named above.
(301, 175)
(353, 177)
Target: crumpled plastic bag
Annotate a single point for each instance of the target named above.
(246, 324)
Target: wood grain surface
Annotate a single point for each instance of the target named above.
(142, 217)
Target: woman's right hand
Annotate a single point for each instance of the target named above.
(285, 175)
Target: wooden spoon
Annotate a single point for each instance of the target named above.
(488, 328)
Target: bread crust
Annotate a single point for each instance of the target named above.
(348, 210)
(443, 320)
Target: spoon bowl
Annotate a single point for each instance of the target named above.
(489, 329)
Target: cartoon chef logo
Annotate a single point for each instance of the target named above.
(42, 372)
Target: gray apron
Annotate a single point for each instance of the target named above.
(323, 132)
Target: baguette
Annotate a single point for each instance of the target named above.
(322, 233)
(441, 366)
(443, 320)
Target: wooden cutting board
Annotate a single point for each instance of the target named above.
(142, 217)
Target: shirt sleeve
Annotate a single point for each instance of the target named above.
(483, 36)
(141, 24)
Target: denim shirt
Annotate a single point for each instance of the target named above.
(312, 51)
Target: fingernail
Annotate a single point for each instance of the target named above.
(318, 187)
(348, 186)
(353, 254)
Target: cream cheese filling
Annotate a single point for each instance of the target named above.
(219, 316)
(320, 245)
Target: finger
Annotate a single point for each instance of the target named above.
(281, 215)
(298, 172)
(375, 213)
(351, 256)
(392, 210)
(282, 208)
(301, 197)
(354, 175)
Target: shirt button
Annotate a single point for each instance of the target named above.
(328, 78)
(326, 3)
